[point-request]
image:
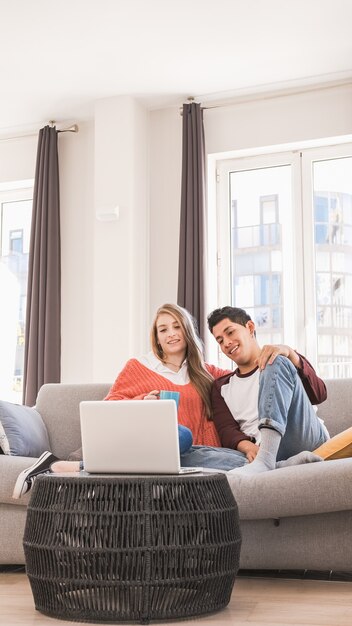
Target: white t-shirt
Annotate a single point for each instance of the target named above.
(241, 396)
(153, 363)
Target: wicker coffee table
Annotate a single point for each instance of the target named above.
(131, 548)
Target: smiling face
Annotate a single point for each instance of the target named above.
(171, 337)
(238, 343)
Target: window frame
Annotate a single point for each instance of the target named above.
(309, 157)
(12, 192)
(223, 169)
(301, 332)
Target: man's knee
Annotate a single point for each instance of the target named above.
(282, 366)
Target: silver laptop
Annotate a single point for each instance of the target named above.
(131, 437)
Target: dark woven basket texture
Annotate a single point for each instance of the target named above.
(131, 548)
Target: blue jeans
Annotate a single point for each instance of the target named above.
(282, 405)
(185, 438)
(206, 456)
(215, 458)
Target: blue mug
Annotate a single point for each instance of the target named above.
(185, 437)
(170, 395)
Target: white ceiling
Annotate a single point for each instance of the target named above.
(58, 56)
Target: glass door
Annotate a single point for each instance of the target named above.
(257, 211)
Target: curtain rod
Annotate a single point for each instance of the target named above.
(267, 95)
(71, 129)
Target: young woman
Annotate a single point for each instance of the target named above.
(175, 363)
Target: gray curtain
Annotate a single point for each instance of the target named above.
(192, 251)
(43, 332)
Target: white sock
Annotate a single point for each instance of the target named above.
(266, 457)
(302, 457)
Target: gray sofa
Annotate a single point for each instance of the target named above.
(291, 518)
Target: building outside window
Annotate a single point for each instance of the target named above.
(333, 262)
(15, 224)
(256, 262)
(284, 250)
(16, 241)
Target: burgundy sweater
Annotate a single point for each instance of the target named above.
(228, 428)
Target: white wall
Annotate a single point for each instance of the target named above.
(165, 185)
(76, 165)
(121, 268)
(17, 158)
(105, 264)
(280, 119)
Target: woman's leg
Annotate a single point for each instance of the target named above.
(185, 438)
(59, 467)
(26, 478)
(46, 463)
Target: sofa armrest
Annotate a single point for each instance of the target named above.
(10, 468)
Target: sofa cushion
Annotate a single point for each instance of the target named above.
(306, 489)
(336, 410)
(58, 403)
(22, 430)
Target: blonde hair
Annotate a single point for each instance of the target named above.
(198, 374)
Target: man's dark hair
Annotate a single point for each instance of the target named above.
(238, 316)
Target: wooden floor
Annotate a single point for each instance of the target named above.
(255, 601)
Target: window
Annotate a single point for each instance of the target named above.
(15, 223)
(16, 241)
(284, 248)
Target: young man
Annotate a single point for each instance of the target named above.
(262, 408)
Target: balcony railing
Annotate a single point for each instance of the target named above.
(259, 235)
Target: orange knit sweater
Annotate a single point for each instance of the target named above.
(136, 380)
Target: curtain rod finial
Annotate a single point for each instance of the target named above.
(72, 129)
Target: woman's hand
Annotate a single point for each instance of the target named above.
(152, 395)
(249, 449)
(269, 353)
